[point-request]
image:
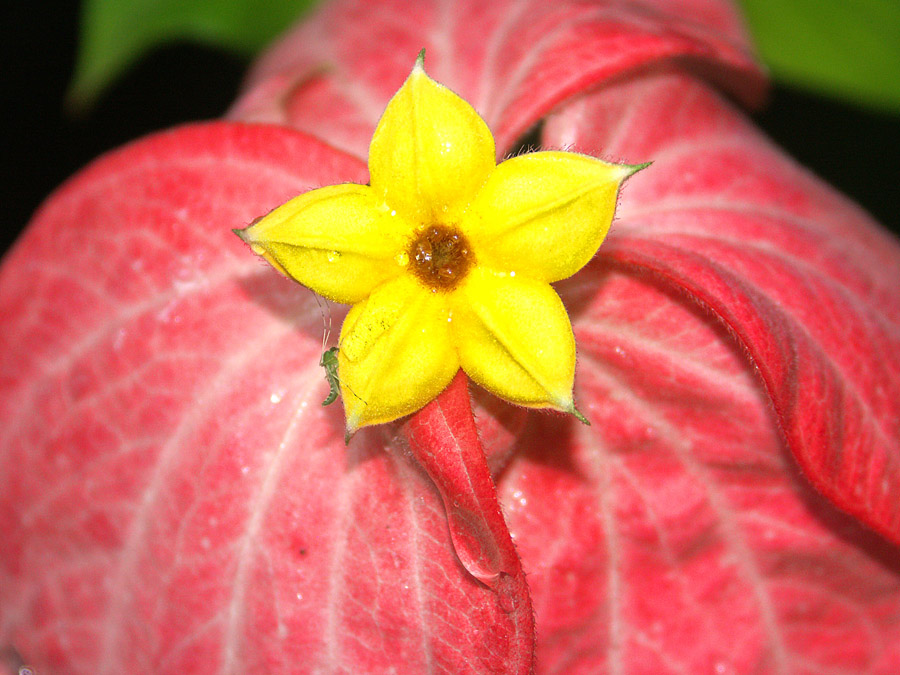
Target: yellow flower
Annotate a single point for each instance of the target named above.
(447, 258)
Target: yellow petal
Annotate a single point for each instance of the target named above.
(396, 353)
(334, 240)
(544, 214)
(515, 339)
(430, 153)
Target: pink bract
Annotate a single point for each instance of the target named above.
(174, 499)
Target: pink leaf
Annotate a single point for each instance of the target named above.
(175, 498)
(804, 279)
(676, 535)
(513, 60)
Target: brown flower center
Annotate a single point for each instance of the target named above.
(440, 256)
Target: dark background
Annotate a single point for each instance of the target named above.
(855, 150)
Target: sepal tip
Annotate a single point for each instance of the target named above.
(581, 418)
(634, 168)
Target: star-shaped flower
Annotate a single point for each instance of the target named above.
(447, 258)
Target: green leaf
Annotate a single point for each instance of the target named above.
(848, 49)
(115, 33)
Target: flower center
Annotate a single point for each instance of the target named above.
(440, 256)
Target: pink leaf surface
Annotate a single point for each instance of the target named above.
(676, 535)
(513, 60)
(803, 278)
(173, 498)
